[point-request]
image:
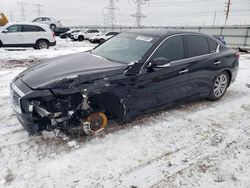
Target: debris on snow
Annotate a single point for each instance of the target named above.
(72, 143)
(48, 134)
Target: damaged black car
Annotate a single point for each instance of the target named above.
(131, 74)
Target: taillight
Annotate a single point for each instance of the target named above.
(237, 55)
(54, 34)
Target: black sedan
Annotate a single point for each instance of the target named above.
(131, 74)
(59, 30)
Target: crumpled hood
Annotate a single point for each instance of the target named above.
(83, 66)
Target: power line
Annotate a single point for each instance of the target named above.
(139, 15)
(22, 10)
(38, 9)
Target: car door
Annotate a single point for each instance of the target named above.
(167, 84)
(31, 33)
(12, 35)
(203, 60)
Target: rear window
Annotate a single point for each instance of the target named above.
(32, 28)
(196, 45)
(212, 45)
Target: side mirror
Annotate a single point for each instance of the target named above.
(160, 62)
(5, 31)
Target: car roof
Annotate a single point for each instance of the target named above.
(162, 33)
(26, 23)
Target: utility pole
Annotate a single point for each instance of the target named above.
(228, 4)
(22, 10)
(214, 18)
(139, 15)
(109, 17)
(38, 9)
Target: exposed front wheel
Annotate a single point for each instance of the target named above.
(220, 85)
(95, 122)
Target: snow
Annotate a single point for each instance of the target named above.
(62, 47)
(199, 144)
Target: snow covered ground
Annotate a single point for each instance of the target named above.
(63, 46)
(200, 144)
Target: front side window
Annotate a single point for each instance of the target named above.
(46, 19)
(126, 47)
(38, 20)
(172, 49)
(14, 29)
(196, 45)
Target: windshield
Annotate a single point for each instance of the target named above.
(126, 47)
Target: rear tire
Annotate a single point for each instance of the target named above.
(42, 44)
(220, 85)
(81, 38)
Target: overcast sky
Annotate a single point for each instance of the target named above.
(158, 12)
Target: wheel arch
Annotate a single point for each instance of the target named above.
(109, 102)
(42, 39)
(229, 74)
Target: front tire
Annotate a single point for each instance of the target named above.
(42, 44)
(81, 38)
(220, 86)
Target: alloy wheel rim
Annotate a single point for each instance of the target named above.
(220, 85)
(43, 45)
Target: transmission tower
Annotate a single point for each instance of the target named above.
(139, 15)
(38, 9)
(22, 10)
(109, 17)
(228, 5)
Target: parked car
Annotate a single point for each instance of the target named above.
(102, 38)
(68, 33)
(80, 36)
(53, 23)
(131, 74)
(22, 34)
(59, 30)
(220, 38)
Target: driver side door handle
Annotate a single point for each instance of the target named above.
(217, 62)
(183, 71)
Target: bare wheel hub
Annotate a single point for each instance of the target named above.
(95, 122)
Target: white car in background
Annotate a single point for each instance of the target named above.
(53, 23)
(80, 36)
(27, 34)
(102, 38)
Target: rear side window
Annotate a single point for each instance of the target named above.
(212, 45)
(172, 49)
(196, 45)
(32, 28)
